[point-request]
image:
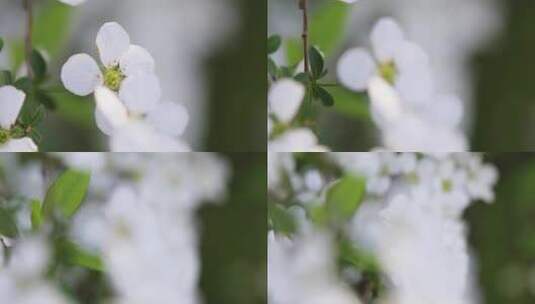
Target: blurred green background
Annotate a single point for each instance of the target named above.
(234, 240)
(235, 88)
(502, 234)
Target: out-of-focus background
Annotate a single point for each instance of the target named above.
(209, 56)
(233, 237)
(480, 50)
(502, 234)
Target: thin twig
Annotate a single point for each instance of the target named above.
(28, 6)
(303, 6)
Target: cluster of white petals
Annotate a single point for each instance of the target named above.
(23, 279)
(410, 218)
(11, 102)
(285, 98)
(303, 271)
(127, 93)
(404, 100)
(140, 217)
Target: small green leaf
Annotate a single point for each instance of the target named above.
(273, 70)
(273, 44)
(317, 61)
(325, 97)
(6, 78)
(36, 214)
(38, 64)
(281, 220)
(357, 257)
(74, 254)
(302, 78)
(8, 226)
(345, 196)
(24, 84)
(46, 100)
(66, 193)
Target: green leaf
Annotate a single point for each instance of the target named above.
(345, 196)
(317, 61)
(66, 193)
(46, 100)
(1, 44)
(74, 254)
(281, 220)
(24, 84)
(38, 64)
(6, 78)
(325, 97)
(8, 226)
(327, 30)
(361, 260)
(36, 214)
(273, 44)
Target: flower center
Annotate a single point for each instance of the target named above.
(113, 78)
(388, 71)
(447, 185)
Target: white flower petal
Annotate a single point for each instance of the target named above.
(386, 37)
(410, 56)
(81, 74)
(285, 97)
(110, 112)
(112, 42)
(415, 87)
(385, 103)
(25, 144)
(355, 68)
(103, 124)
(73, 2)
(445, 110)
(142, 137)
(169, 118)
(140, 92)
(136, 60)
(297, 140)
(11, 101)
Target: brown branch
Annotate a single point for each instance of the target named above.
(28, 6)
(303, 5)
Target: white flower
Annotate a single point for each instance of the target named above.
(285, 98)
(296, 140)
(400, 62)
(416, 129)
(127, 70)
(154, 132)
(73, 2)
(11, 101)
(412, 116)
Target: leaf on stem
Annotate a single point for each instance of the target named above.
(66, 193)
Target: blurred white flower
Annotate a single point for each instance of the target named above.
(73, 2)
(11, 101)
(284, 100)
(404, 102)
(303, 271)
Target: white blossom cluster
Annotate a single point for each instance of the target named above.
(23, 279)
(405, 100)
(410, 218)
(285, 98)
(140, 218)
(127, 92)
